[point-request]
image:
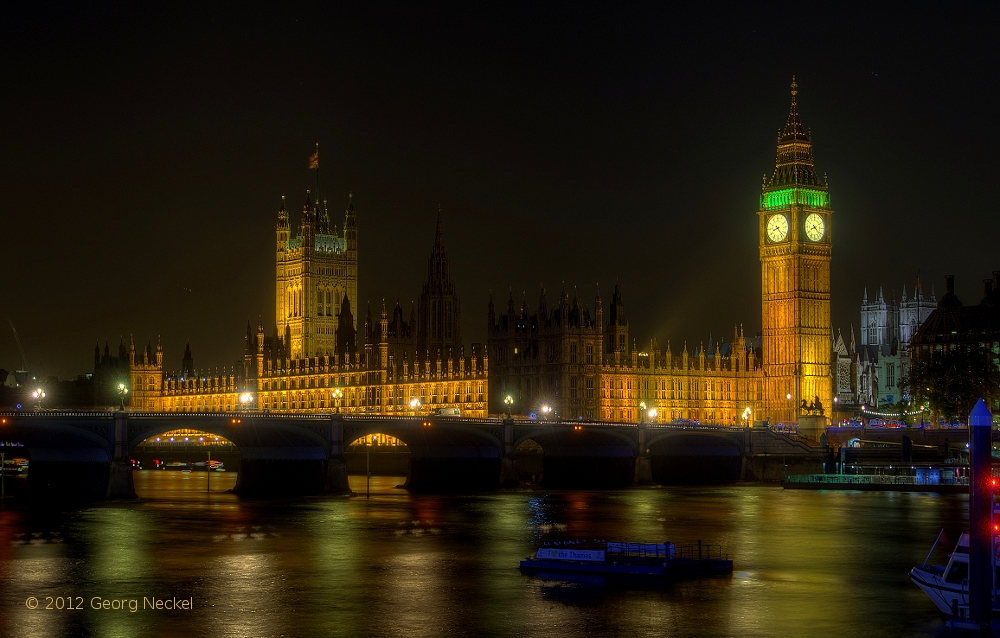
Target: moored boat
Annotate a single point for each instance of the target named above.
(644, 560)
(948, 585)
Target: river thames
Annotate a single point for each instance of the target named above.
(398, 564)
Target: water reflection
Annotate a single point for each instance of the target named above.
(822, 563)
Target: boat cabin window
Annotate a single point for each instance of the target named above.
(959, 571)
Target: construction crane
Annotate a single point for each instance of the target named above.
(17, 339)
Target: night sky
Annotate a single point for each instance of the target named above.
(146, 148)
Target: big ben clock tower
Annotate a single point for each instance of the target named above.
(795, 252)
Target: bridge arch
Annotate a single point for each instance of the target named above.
(278, 455)
(244, 433)
(441, 449)
(579, 455)
(688, 457)
(69, 454)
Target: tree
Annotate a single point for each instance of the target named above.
(953, 380)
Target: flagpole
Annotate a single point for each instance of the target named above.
(317, 175)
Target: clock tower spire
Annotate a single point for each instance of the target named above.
(795, 252)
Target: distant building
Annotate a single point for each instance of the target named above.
(870, 373)
(953, 324)
(109, 371)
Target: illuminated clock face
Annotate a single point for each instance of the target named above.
(815, 227)
(777, 227)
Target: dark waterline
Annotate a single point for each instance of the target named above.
(807, 562)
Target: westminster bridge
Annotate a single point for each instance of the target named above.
(88, 454)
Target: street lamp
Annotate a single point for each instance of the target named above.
(38, 395)
(245, 400)
(415, 405)
(747, 412)
(546, 409)
(338, 394)
(642, 412)
(122, 391)
(508, 401)
(653, 413)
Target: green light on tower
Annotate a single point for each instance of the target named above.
(788, 196)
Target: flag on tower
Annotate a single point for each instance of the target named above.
(314, 158)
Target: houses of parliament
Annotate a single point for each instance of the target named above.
(582, 363)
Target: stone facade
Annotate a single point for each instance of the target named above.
(795, 231)
(557, 358)
(316, 360)
(316, 272)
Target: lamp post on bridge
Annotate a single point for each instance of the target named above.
(38, 395)
(508, 401)
(338, 394)
(122, 391)
(415, 406)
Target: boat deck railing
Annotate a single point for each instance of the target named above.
(641, 550)
(700, 551)
(871, 479)
(654, 551)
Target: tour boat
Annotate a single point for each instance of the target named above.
(662, 560)
(948, 586)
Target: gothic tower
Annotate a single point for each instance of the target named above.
(439, 327)
(795, 252)
(315, 272)
(616, 333)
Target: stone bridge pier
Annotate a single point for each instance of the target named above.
(120, 483)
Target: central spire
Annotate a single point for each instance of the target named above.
(793, 165)
(437, 232)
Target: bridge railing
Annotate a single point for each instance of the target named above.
(258, 414)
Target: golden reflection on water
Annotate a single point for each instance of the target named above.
(401, 564)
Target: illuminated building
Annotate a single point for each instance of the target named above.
(316, 360)
(870, 373)
(315, 272)
(563, 357)
(591, 371)
(556, 358)
(795, 246)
